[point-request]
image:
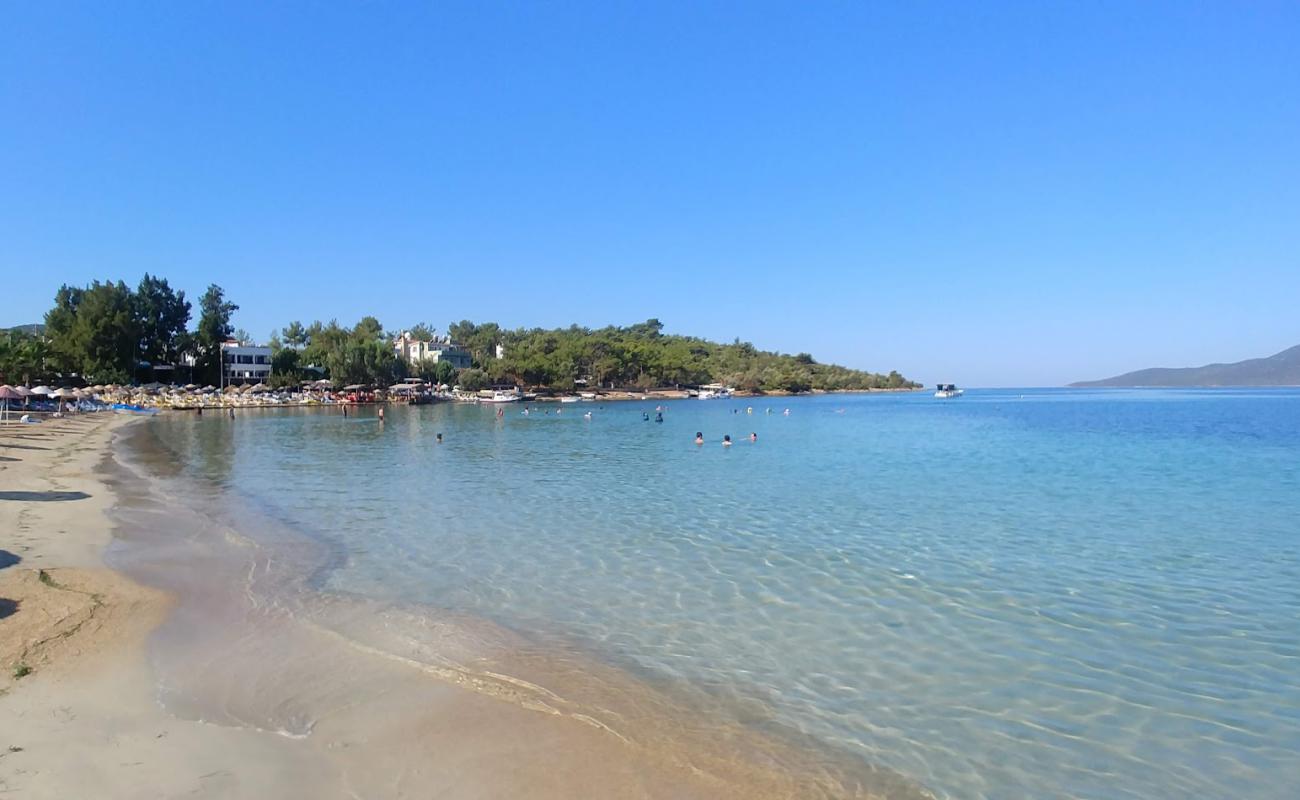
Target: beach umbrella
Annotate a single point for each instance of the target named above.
(63, 394)
(42, 390)
(8, 393)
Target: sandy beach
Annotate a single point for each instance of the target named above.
(203, 679)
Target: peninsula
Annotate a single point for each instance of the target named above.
(1281, 369)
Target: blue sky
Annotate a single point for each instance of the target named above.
(987, 193)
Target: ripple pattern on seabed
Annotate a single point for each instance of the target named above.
(1015, 594)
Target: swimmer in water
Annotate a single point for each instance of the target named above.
(786, 412)
(726, 440)
(699, 437)
(753, 437)
(749, 410)
(438, 439)
(659, 416)
(645, 417)
(587, 415)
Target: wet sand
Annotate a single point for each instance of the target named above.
(208, 664)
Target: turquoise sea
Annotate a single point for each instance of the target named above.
(1014, 594)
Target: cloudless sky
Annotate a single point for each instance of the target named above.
(986, 193)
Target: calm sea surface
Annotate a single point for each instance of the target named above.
(1015, 594)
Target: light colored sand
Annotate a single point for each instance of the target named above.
(84, 723)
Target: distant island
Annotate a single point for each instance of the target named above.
(1282, 369)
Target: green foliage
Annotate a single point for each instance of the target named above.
(95, 331)
(471, 380)
(214, 328)
(22, 357)
(21, 671)
(104, 330)
(295, 335)
(642, 356)
(360, 355)
(440, 372)
(162, 315)
(285, 369)
(422, 331)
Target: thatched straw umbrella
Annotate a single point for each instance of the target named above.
(7, 393)
(63, 394)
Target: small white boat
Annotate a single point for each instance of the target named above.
(499, 397)
(714, 391)
(947, 390)
(570, 399)
(587, 397)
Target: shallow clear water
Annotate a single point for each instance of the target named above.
(1028, 593)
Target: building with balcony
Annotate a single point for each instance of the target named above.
(434, 351)
(241, 363)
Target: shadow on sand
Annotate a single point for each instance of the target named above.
(8, 559)
(43, 497)
(7, 607)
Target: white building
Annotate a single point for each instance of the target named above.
(433, 351)
(244, 363)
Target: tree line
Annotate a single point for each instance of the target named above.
(642, 356)
(110, 333)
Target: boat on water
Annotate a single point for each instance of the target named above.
(947, 390)
(499, 397)
(570, 399)
(714, 391)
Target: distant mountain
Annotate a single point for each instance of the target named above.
(1282, 369)
(34, 329)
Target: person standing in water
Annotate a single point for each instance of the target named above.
(753, 437)
(699, 437)
(437, 439)
(726, 440)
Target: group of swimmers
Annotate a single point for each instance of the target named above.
(726, 438)
(750, 410)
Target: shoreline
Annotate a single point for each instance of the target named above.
(255, 682)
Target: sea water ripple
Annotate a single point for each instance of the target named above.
(1016, 594)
